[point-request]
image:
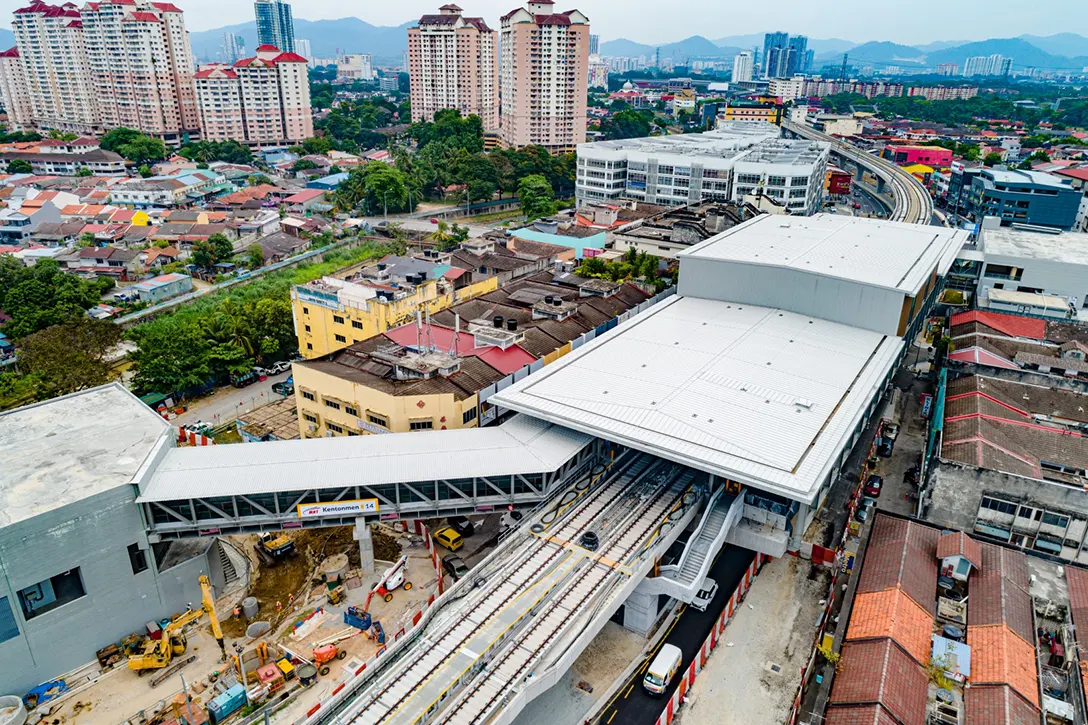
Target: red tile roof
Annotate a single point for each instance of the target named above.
(1000, 657)
(891, 613)
(505, 361)
(145, 17)
(904, 554)
(1075, 173)
(980, 356)
(879, 672)
(289, 58)
(167, 7)
(1077, 581)
(859, 715)
(10, 53)
(1011, 325)
(266, 48)
(985, 705)
(999, 592)
(957, 543)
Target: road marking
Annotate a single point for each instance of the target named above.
(610, 717)
(628, 693)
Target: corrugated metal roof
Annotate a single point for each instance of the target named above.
(522, 445)
(758, 395)
(869, 251)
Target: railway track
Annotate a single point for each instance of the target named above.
(505, 596)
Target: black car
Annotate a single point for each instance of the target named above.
(884, 447)
(461, 525)
(589, 541)
(284, 389)
(454, 566)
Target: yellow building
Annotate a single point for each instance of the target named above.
(428, 377)
(331, 314)
(762, 110)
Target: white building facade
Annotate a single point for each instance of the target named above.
(14, 91)
(737, 159)
(743, 66)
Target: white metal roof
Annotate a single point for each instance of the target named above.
(885, 254)
(70, 448)
(1067, 247)
(761, 396)
(522, 445)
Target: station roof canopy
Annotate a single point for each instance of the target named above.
(522, 445)
(867, 251)
(761, 396)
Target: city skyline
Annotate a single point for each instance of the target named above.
(687, 18)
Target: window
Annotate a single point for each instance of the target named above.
(421, 425)
(9, 629)
(377, 420)
(1055, 520)
(332, 404)
(340, 338)
(776, 181)
(137, 557)
(351, 411)
(356, 324)
(334, 427)
(307, 328)
(664, 170)
(45, 596)
(308, 395)
(309, 418)
(469, 416)
(799, 181)
(309, 346)
(338, 319)
(305, 310)
(747, 178)
(995, 504)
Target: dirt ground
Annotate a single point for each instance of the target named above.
(764, 647)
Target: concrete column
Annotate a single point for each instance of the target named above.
(366, 545)
(880, 185)
(640, 612)
(801, 521)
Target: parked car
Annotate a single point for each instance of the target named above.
(448, 538)
(911, 475)
(862, 514)
(281, 367)
(590, 541)
(511, 520)
(284, 389)
(705, 594)
(454, 566)
(873, 486)
(884, 447)
(461, 525)
(889, 430)
(262, 372)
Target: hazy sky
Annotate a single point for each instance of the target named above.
(653, 21)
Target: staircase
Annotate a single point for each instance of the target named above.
(683, 579)
(229, 573)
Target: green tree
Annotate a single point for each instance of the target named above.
(334, 169)
(144, 171)
(116, 138)
(144, 150)
(258, 179)
(69, 356)
(628, 123)
(42, 295)
(317, 145)
(536, 196)
(203, 254)
(303, 165)
(221, 246)
(20, 166)
(86, 239)
(254, 258)
(992, 159)
(84, 171)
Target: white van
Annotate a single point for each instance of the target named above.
(661, 671)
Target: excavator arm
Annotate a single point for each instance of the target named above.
(208, 603)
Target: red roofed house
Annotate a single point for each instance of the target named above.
(274, 108)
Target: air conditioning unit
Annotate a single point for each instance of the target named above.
(313, 427)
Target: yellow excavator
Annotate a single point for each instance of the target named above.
(156, 654)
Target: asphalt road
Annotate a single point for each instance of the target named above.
(633, 705)
(227, 403)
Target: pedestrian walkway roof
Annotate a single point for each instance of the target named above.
(522, 446)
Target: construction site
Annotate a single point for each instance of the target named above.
(299, 618)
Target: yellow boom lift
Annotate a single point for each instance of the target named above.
(156, 654)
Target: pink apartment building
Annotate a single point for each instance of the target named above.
(544, 77)
(260, 101)
(453, 63)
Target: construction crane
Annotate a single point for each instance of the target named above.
(156, 654)
(392, 579)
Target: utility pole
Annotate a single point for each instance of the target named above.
(842, 72)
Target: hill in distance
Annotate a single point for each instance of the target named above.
(819, 45)
(1067, 44)
(881, 52)
(1021, 51)
(694, 47)
(349, 35)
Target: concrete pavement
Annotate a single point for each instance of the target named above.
(226, 404)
